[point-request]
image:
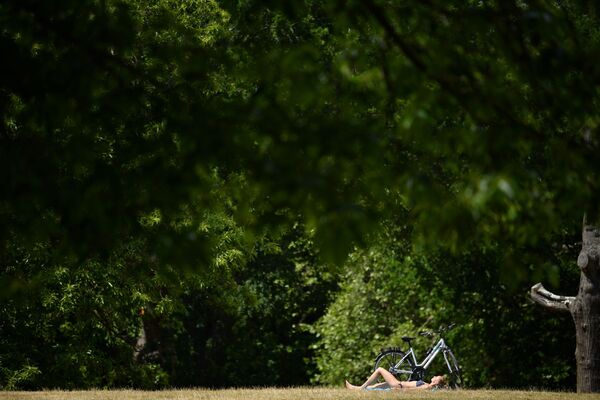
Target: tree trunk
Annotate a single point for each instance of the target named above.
(585, 310)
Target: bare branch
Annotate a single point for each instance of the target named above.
(550, 300)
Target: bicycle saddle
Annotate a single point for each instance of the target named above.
(407, 339)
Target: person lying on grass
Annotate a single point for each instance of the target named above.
(392, 383)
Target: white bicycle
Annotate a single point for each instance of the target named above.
(404, 366)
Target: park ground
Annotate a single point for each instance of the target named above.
(293, 394)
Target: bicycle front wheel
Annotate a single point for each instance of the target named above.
(456, 381)
(396, 363)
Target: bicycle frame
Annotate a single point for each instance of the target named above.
(439, 347)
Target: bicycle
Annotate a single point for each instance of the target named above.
(404, 366)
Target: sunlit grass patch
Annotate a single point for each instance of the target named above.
(302, 393)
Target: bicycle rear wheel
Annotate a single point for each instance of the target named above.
(393, 360)
(456, 381)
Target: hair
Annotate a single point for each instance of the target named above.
(443, 381)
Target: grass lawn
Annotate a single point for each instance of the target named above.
(318, 393)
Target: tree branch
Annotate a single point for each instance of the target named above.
(410, 51)
(550, 300)
(453, 86)
(110, 327)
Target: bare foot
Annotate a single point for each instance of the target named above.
(351, 386)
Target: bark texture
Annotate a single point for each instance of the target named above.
(585, 310)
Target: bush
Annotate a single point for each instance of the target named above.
(501, 338)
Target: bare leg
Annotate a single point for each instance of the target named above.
(386, 375)
(351, 386)
(390, 380)
(382, 385)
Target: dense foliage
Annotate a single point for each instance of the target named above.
(500, 338)
(244, 324)
(183, 182)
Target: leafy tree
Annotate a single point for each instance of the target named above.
(142, 102)
(253, 330)
(491, 133)
(76, 326)
(388, 292)
(479, 118)
(131, 321)
(95, 100)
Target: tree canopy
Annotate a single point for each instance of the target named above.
(180, 156)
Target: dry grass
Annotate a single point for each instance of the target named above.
(318, 393)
